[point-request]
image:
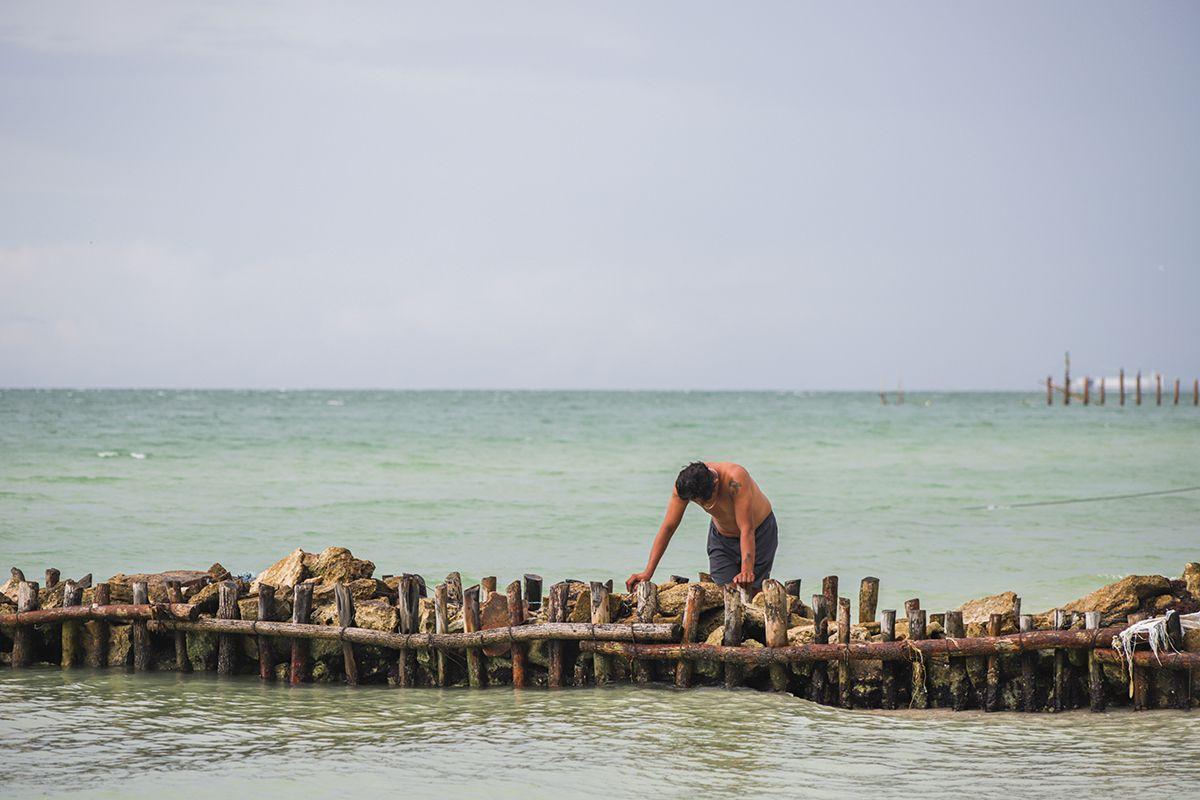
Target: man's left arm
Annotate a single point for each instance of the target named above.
(741, 512)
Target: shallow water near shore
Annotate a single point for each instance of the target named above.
(573, 484)
(127, 735)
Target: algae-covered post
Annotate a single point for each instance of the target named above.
(23, 635)
(733, 631)
(991, 699)
(816, 686)
(958, 667)
(556, 612)
(868, 600)
(175, 595)
(916, 632)
(691, 619)
(887, 633)
(1177, 680)
(227, 644)
(829, 590)
(1028, 668)
(516, 616)
(1140, 688)
(407, 600)
(470, 615)
(454, 589)
(843, 620)
(533, 591)
(647, 607)
(301, 608)
(1060, 665)
(601, 664)
(72, 596)
(141, 636)
(101, 595)
(1095, 669)
(266, 613)
(345, 612)
(775, 615)
(441, 624)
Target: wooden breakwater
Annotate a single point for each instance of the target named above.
(1094, 391)
(361, 630)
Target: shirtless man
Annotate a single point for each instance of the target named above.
(742, 534)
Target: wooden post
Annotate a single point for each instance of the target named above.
(227, 644)
(1121, 381)
(1179, 680)
(775, 615)
(843, 620)
(556, 612)
(301, 608)
(266, 612)
(1062, 669)
(792, 588)
(601, 665)
(454, 589)
(516, 616)
(441, 624)
(1067, 381)
(1158, 389)
(647, 608)
(408, 598)
(1095, 670)
(1049, 390)
(1087, 390)
(72, 596)
(182, 662)
(1028, 669)
(868, 599)
(1140, 690)
(533, 591)
(916, 632)
(475, 674)
(345, 611)
(829, 590)
(733, 631)
(991, 700)
(99, 657)
(887, 633)
(911, 605)
(691, 618)
(1177, 391)
(818, 682)
(1102, 382)
(141, 636)
(679, 579)
(958, 667)
(487, 587)
(52, 577)
(23, 635)
(1196, 391)
(1138, 389)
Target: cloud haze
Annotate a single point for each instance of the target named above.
(596, 196)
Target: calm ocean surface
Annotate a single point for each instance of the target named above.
(574, 484)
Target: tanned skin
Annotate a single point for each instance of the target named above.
(737, 507)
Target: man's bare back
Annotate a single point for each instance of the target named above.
(734, 481)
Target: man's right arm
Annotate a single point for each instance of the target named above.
(671, 520)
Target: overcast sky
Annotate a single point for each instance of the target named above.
(602, 195)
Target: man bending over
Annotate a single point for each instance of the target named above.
(742, 534)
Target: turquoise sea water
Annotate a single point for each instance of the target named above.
(574, 484)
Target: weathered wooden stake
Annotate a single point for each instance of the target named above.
(868, 599)
(1049, 390)
(1177, 391)
(818, 682)
(679, 579)
(601, 665)
(1087, 390)
(1102, 382)
(487, 587)
(916, 632)
(1028, 669)
(516, 616)
(647, 607)
(1140, 689)
(829, 590)
(182, 663)
(1060, 665)
(475, 674)
(301, 608)
(52, 577)
(733, 631)
(1095, 669)
(141, 636)
(557, 612)
(441, 624)
(843, 620)
(887, 633)
(691, 618)
(958, 667)
(72, 596)
(454, 589)
(775, 614)
(408, 598)
(1138, 389)
(1122, 385)
(1179, 681)
(345, 611)
(792, 587)
(227, 645)
(266, 654)
(1158, 389)
(911, 605)
(991, 699)
(99, 657)
(23, 635)
(533, 591)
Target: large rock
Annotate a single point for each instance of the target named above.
(335, 564)
(672, 599)
(121, 585)
(980, 609)
(377, 615)
(581, 611)
(1119, 599)
(281, 609)
(286, 572)
(1191, 578)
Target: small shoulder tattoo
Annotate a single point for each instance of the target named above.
(734, 486)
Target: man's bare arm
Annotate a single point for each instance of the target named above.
(671, 520)
(741, 512)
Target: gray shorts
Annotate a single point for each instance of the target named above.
(725, 552)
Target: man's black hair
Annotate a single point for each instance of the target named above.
(695, 482)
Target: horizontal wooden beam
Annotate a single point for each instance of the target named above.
(116, 611)
(1145, 658)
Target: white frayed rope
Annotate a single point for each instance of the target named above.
(1154, 631)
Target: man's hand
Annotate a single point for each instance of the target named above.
(744, 578)
(637, 578)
